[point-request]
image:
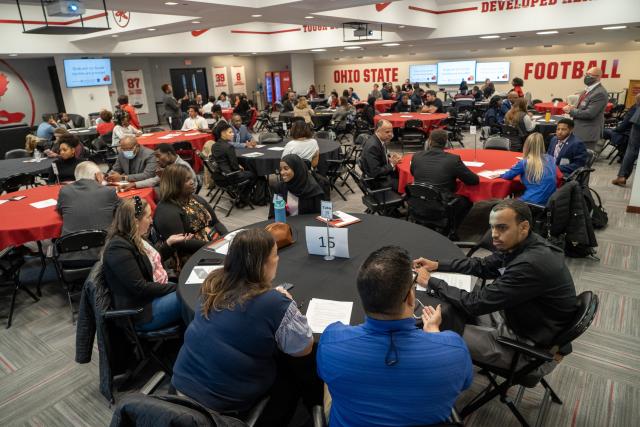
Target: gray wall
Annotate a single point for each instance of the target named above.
(138, 63)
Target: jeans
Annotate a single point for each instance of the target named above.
(631, 155)
(166, 310)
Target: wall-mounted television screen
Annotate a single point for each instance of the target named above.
(87, 72)
(452, 73)
(495, 71)
(423, 73)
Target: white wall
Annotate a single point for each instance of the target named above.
(302, 71)
(136, 63)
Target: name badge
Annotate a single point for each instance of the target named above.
(564, 161)
(501, 270)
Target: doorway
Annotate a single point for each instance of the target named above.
(189, 82)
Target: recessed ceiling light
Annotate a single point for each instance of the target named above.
(151, 29)
(114, 35)
(128, 53)
(318, 50)
(590, 43)
(13, 54)
(195, 22)
(509, 48)
(391, 44)
(256, 16)
(352, 47)
(494, 36)
(503, 38)
(171, 3)
(544, 33)
(401, 26)
(548, 45)
(308, 17)
(615, 27)
(411, 45)
(254, 53)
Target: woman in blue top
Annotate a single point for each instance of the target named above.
(537, 170)
(238, 347)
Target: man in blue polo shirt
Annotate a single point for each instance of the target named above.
(387, 372)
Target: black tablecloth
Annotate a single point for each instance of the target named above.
(314, 277)
(319, 101)
(270, 161)
(85, 133)
(15, 166)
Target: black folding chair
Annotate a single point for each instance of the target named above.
(16, 182)
(185, 150)
(497, 143)
(412, 134)
(586, 309)
(11, 262)
(228, 187)
(428, 206)
(513, 135)
(75, 271)
(381, 201)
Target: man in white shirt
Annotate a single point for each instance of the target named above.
(206, 108)
(194, 121)
(223, 102)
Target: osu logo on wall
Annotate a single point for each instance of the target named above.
(16, 102)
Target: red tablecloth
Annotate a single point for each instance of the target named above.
(543, 107)
(398, 119)
(487, 188)
(381, 105)
(20, 222)
(197, 140)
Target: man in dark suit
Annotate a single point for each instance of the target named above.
(589, 112)
(134, 162)
(86, 204)
(441, 169)
(376, 161)
(568, 150)
(385, 92)
(224, 155)
(289, 102)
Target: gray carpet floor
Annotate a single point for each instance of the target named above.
(41, 385)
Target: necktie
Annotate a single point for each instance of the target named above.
(582, 97)
(559, 146)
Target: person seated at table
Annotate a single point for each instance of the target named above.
(488, 88)
(477, 94)
(123, 104)
(376, 91)
(512, 96)
(568, 151)
(343, 110)
(518, 83)
(519, 118)
(433, 104)
(198, 102)
(463, 88)
(405, 375)
(51, 148)
(298, 187)
(241, 136)
(71, 140)
(386, 92)
(377, 162)
(442, 170)
(303, 110)
(238, 347)
(369, 110)
(352, 96)
(133, 269)
(302, 144)
(492, 115)
(31, 143)
(242, 107)
(224, 155)
(122, 128)
(532, 297)
(64, 121)
(194, 121)
(46, 128)
(397, 93)
(180, 211)
(537, 171)
(415, 98)
(216, 117)
(222, 101)
(403, 105)
(206, 108)
(106, 124)
(312, 92)
(65, 163)
(134, 162)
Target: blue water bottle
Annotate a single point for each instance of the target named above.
(278, 208)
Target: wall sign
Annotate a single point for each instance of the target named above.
(569, 69)
(389, 74)
(221, 84)
(503, 5)
(238, 80)
(133, 83)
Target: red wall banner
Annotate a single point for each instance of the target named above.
(569, 69)
(388, 74)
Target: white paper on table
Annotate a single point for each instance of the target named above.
(259, 146)
(475, 164)
(44, 203)
(200, 272)
(223, 247)
(192, 134)
(519, 157)
(146, 134)
(492, 174)
(536, 117)
(384, 114)
(460, 281)
(407, 116)
(3, 201)
(34, 160)
(276, 148)
(323, 312)
(256, 154)
(165, 137)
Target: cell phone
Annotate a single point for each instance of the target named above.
(286, 286)
(210, 261)
(16, 198)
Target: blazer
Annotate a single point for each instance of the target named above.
(141, 167)
(86, 205)
(375, 161)
(589, 114)
(572, 156)
(129, 275)
(225, 157)
(171, 106)
(441, 169)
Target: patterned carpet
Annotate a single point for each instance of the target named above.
(41, 385)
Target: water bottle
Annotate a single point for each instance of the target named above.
(278, 208)
(37, 154)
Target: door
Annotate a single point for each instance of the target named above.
(189, 82)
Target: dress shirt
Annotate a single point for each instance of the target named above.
(194, 124)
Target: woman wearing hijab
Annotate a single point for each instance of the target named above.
(298, 187)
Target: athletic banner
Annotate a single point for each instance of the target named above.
(133, 83)
(221, 83)
(238, 79)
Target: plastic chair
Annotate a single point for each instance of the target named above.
(17, 153)
(496, 143)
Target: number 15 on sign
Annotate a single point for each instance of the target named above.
(318, 241)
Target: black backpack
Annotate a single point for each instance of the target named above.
(261, 194)
(599, 216)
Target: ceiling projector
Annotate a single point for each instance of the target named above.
(65, 8)
(362, 32)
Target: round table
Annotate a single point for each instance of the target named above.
(547, 128)
(84, 133)
(12, 167)
(269, 162)
(196, 138)
(398, 120)
(487, 188)
(381, 105)
(557, 109)
(314, 277)
(318, 101)
(20, 222)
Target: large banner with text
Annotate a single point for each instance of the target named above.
(221, 84)
(133, 83)
(238, 79)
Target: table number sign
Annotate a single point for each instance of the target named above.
(319, 239)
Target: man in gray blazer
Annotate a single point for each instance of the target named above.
(134, 162)
(588, 114)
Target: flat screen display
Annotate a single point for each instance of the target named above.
(495, 71)
(87, 72)
(423, 73)
(452, 73)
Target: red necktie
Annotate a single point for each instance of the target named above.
(582, 97)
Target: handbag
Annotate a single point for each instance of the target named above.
(282, 234)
